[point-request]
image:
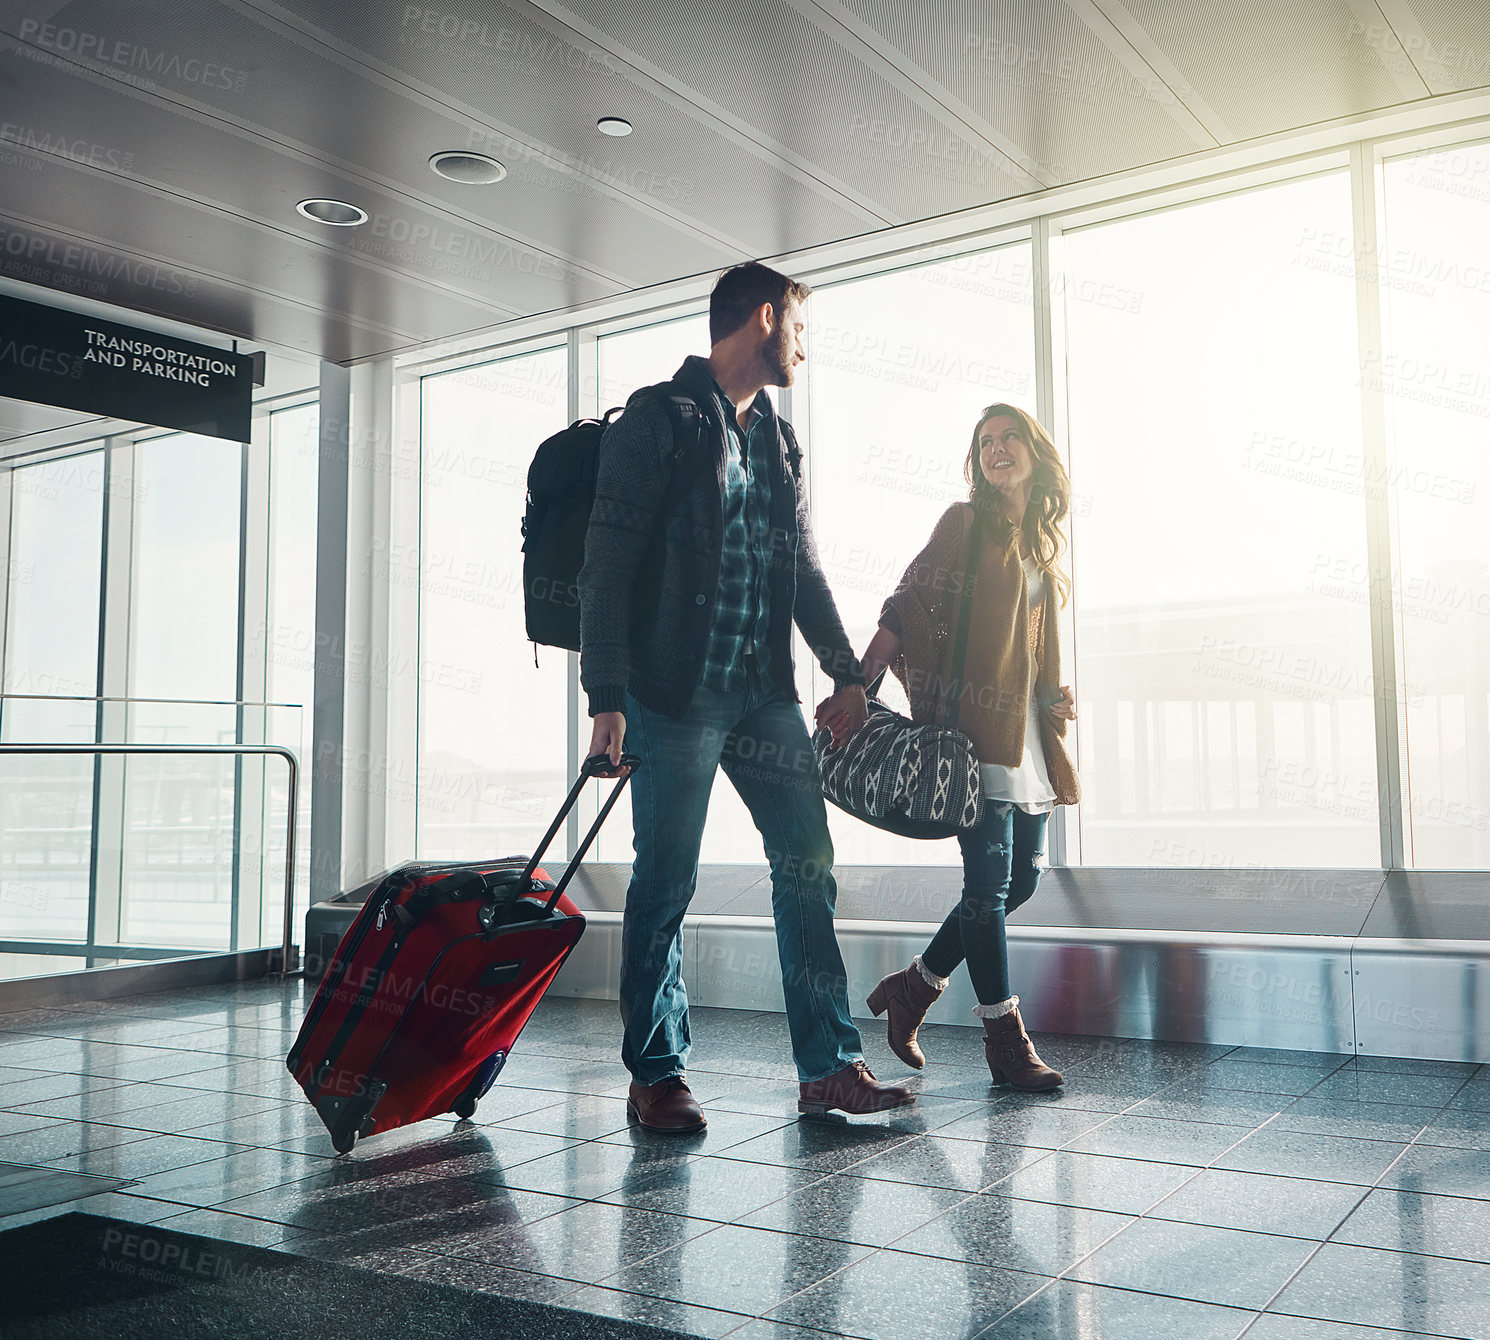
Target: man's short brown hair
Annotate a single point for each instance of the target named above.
(742, 289)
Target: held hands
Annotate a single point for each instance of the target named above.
(847, 710)
(843, 713)
(1064, 707)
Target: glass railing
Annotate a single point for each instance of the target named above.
(137, 829)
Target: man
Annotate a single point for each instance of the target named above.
(689, 590)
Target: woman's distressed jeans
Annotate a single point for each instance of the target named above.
(1001, 864)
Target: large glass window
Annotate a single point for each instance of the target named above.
(184, 621)
(180, 829)
(899, 368)
(492, 724)
(637, 358)
(293, 488)
(289, 644)
(51, 660)
(1224, 678)
(1436, 320)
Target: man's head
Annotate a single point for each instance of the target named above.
(755, 309)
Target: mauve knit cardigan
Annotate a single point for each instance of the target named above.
(1009, 654)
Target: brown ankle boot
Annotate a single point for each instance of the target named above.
(907, 996)
(1011, 1055)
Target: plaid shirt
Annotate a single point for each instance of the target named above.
(742, 605)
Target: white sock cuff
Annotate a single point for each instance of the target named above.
(929, 977)
(997, 1011)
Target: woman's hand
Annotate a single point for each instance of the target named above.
(843, 713)
(1064, 707)
(848, 709)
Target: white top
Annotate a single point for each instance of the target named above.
(1028, 785)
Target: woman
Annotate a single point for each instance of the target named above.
(1010, 705)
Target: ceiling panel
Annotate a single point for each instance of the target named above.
(309, 95)
(294, 106)
(189, 157)
(1271, 65)
(520, 75)
(116, 130)
(156, 149)
(1452, 46)
(1041, 76)
(190, 261)
(822, 103)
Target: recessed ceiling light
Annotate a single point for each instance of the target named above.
(613, 125)
(337, 213)
(464, 166)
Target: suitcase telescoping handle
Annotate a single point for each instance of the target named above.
(597, 766)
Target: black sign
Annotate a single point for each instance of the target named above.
(53, 357)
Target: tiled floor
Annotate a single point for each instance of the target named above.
(1169, 1190)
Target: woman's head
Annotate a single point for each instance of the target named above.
(1010, 449)
(1004, 455)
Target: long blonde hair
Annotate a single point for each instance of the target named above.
(1050, 496)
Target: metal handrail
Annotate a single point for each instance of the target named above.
(119, 698)
(264, 749)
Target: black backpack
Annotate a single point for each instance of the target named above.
(561, 492)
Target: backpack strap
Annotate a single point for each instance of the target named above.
(793, 451)
(688, 425)
(688, 433)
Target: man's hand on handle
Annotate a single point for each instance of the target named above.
(607, 734)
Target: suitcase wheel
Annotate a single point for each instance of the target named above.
(343, 1141)
(464, 1107)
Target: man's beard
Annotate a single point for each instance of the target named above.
(777, 355)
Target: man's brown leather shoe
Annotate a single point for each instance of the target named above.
(667, 1105)
(853, 1089)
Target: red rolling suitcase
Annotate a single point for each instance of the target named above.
(433, 982)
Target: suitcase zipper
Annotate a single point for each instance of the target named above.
(359, 1006)
(328, 987)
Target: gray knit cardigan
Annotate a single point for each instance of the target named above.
(651, 570)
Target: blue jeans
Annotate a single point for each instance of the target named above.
(759, 737)
(1001, 864)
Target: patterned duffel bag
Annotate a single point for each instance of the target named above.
(917, 781)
